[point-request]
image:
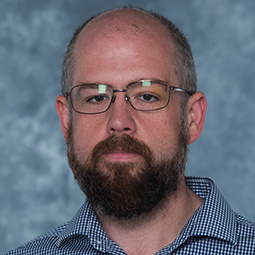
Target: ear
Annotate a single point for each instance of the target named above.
(196, 108)
(62, 108)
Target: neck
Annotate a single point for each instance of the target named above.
(149, 234)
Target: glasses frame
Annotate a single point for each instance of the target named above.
(68, 94)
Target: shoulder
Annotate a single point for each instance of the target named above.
(245, 227)
(42, 244)
(70, 236)
(245, 233)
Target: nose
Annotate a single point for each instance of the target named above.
(121, 117)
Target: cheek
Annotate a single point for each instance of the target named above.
(162, 137)
(87, 132)
(166, 146)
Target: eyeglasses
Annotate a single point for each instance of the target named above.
(143, 95)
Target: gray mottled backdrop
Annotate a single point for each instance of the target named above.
(37, 191)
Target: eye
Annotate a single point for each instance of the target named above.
(148, 97)
(97, 99)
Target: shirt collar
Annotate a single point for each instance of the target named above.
(214, 218)
(85, 223)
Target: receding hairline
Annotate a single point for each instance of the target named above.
(123, 15)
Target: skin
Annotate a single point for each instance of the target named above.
(117, 48)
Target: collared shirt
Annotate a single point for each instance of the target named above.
(213, 229)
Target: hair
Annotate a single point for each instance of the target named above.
(183, 58)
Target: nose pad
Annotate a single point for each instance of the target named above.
(127, 98)
(113, 99)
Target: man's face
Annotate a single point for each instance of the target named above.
(117, 53)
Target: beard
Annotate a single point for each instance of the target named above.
(127, 190)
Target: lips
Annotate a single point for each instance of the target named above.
(121, 155)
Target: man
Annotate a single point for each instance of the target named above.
(128, 111)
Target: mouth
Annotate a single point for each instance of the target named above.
(121, 156)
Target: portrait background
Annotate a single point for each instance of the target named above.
(37, 190)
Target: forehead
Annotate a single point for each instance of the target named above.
(126, 22)
(118, 38)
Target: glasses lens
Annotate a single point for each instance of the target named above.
(148, 95)
(91, 98)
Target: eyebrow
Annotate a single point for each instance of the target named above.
(126, 84)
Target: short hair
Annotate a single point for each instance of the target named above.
(183, 58)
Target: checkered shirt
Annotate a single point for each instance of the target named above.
(213, 229)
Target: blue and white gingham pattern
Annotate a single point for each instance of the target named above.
(213, 229)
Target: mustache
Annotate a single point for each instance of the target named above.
(124, 143)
